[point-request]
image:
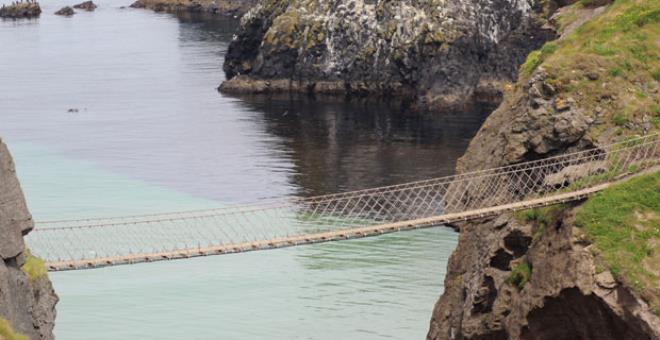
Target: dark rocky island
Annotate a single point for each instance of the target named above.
(213, 7)
(66, 11)
(87, 6)
(439, 54)
(27, 299)
(21, 9)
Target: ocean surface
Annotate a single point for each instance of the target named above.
(116, 112)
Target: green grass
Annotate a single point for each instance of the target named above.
(544, 217)
(535, 58)
(611, 61)
(520, 275)
(623, 222)
(8, 333)
(34, 267)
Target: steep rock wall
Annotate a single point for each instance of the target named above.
(27, 302)
(439, 53)
(516, 279)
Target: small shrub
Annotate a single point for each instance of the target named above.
(34, 267)
(619, 120)
(520, 275)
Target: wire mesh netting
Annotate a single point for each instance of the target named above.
(86, 239)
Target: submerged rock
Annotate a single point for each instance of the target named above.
(21, 9)
(442, 53)
(66, 11)
(87, 5)
(219, 7)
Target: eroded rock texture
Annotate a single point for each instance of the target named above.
(565, 297)
(27, 303)
(440, 53)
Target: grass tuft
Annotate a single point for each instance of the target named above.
(520, 275)
(34, 267)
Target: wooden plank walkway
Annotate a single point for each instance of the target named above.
(352, 233)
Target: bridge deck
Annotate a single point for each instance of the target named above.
(93, 243)
(325, 236)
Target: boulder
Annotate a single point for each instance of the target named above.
(87, 6)
(66, 11)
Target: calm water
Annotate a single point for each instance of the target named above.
(152, 134)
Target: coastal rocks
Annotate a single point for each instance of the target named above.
(21, 9)
(534, 121)
(439, 53)
(525, 281)
(65, 11)
(27, 301)
(214, 7)
(87, 6)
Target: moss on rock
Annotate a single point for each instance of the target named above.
(8, 333)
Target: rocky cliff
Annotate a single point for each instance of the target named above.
(588, 271)
(213, 7)
(438, 53)
(27, 299)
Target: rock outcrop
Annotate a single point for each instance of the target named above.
(21, 9)
(66, 11)
(560, 293)
(27, 299)
(232, 8)
(438, 53)
(512, 278)
(86, 5)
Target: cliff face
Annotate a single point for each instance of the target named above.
(27, 299)
(518, 279)
(545, 274)
(440, 53)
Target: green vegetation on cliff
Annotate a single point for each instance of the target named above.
(34, 267)
(8, 333)
(623, 222)
(610, 65)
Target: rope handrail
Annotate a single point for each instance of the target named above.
(72, 244)
(270, 203)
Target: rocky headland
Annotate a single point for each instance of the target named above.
(21, 9)
(589, 270)
(437, 54)
(27, 299)
(234, 8)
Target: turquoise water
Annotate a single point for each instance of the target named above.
(381, 287)
(151, 134)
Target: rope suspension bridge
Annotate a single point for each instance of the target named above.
(91, 243)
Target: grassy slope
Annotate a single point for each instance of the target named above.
(609, 64)
(623, 222)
